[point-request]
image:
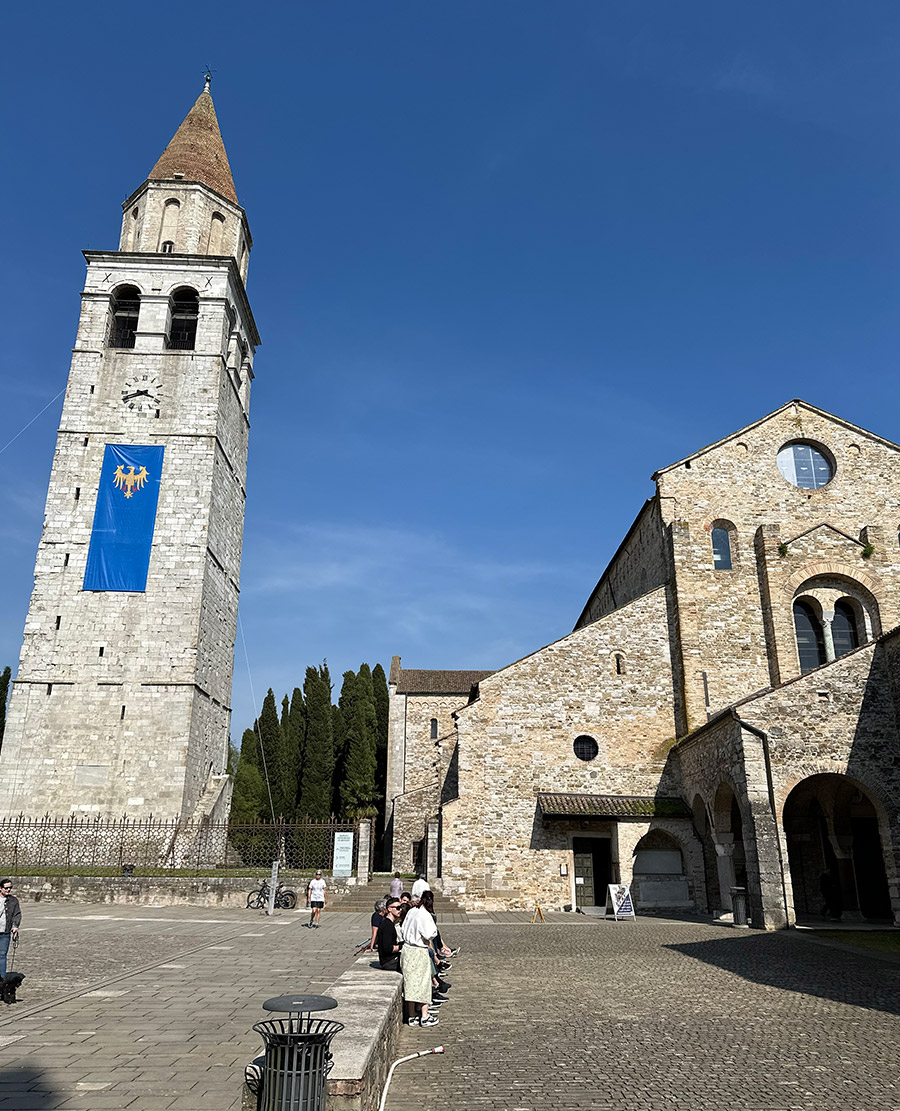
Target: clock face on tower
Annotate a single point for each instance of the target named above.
(142, 393)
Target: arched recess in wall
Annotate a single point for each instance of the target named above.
(729, 832)
(710, 870)
(833, 615)
(835, 850)
(724, 550)
(185, 312)
(168, 231)
(216, 234)
(124, 309)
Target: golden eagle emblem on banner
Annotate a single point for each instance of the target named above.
(128, 481)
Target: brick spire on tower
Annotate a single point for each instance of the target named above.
(196, 150)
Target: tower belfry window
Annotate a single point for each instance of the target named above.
(810, 638)
(185, 309)
(844, 630)
(126, 307)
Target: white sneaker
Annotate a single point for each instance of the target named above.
(414, 1021)
(430, 1021)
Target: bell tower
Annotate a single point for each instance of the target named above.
(122, 700)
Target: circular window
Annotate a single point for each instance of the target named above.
(805, 465)
(586, 748)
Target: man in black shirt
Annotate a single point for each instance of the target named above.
(387, 941)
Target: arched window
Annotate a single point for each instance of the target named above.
(125, 306)
(844, 629)
(168, 247)
(169, 229)
(620, 663)
(216, 232)
(810, 638)
(721, 546)
(434, 729)
(185, 308)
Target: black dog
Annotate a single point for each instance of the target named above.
(8, 986)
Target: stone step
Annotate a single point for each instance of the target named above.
(364, 897)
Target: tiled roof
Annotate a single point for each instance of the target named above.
(410, 681)
(611, 806)
(197, 151)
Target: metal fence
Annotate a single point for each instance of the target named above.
(78, 846)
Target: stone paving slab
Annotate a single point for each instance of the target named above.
(650, 1014)
(125, 1007)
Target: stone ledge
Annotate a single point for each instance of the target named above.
(370, 1005)
(160, 891)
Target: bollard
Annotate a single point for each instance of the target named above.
(739, 906)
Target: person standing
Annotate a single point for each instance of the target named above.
(315, 896)
(10, 919)
(419, 886)
(396, 886)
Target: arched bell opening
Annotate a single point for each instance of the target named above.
(835, 852)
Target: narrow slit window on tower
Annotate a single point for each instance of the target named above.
(122, 715)
(66, 560)
(101, 651)
(58, 621)
(77, 492)
(168, 247)
(86, 442)
(620, 664)
(721, 546)
(49, 688)
(185, 310)
(126, 307)
(434, 729)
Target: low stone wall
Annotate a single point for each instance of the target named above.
(370, 1005)
(158, 891)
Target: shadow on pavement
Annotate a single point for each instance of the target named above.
(27, 1089)
(790, 963)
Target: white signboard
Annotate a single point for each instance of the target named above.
(618, 895)
(343, 854)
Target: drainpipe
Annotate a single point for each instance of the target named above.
(767, 760)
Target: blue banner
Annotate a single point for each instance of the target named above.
(124, 518)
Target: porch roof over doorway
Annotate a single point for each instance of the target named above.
(610, 806)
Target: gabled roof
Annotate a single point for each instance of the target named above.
(755, 424)
(437, 682)
(196, 150)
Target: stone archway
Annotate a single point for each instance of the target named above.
(728, 831)
(835, 852)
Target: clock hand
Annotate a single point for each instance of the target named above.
(137, 393)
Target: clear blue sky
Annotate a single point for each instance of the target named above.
(510, 257)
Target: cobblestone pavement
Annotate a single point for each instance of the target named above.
(152, 1009)
(593, 1015)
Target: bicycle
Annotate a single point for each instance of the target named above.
(285, 897)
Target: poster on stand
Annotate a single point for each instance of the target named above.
(618, 901)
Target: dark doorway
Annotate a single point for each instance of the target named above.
(593, 870)
(835, 851)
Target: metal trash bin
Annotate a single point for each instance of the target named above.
(297, 1062)
(739, 906)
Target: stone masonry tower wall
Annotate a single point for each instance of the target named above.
(122, 700)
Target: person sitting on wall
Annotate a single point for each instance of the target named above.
(387, 941)
(376, 920)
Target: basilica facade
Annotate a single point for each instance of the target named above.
(724, 716)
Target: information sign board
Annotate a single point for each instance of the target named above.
(618, 899)
(343, 854)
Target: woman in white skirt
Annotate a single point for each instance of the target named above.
(418, 929)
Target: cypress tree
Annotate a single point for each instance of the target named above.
(296, 736)
(358, 792)
(346, 708)
(382, 703)
(4, 695)
(287, 765)
(249, 802)
(318, 763)
(271, 749)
